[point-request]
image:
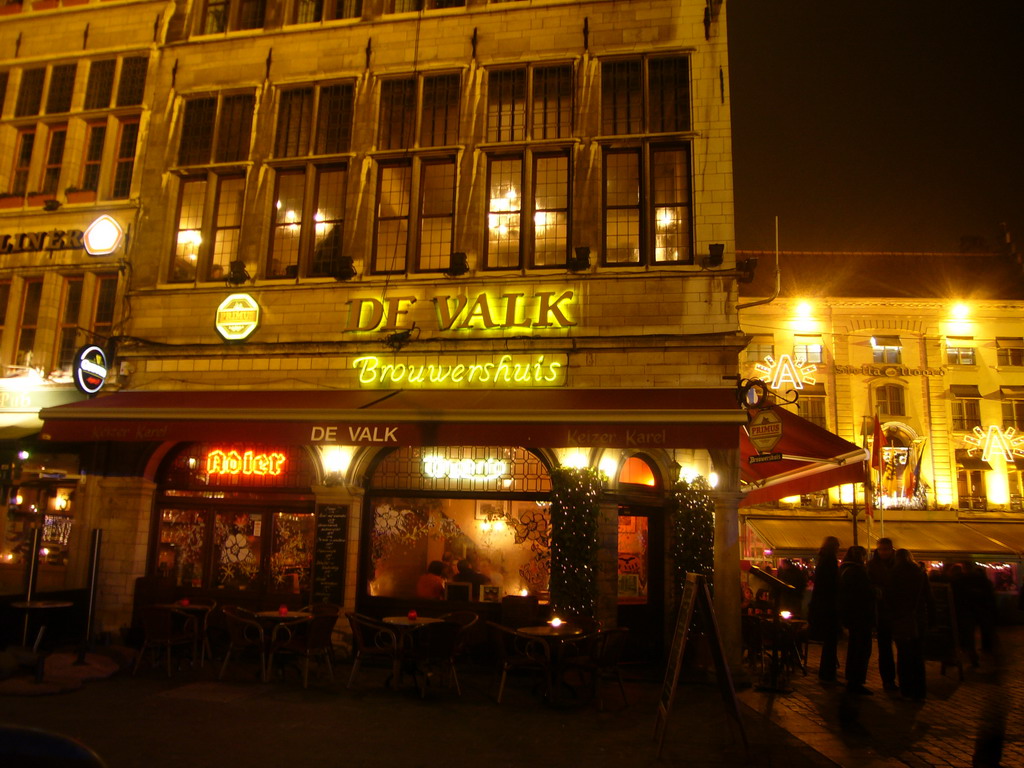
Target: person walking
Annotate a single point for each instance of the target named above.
(880, 573)
(823, 612)
(907, 607)
(857, 612)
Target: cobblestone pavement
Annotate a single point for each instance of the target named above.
(886, 730)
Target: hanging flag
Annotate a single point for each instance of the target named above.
(877, 441)
(916, 476)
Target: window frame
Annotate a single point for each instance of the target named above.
(29, 284)
(893, 397)
(210, 210)
(960, 351)
(66, 341)
(966, 413)
(205, 143)
(1010, 352)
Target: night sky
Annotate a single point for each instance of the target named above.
(877, 126)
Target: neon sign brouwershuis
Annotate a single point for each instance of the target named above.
(482, 311)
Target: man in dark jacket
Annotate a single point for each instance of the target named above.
(824, 608)
(880, 573)
(907, 607)
(857, 611)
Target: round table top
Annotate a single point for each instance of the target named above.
(43, 604)
(546, 630)
(405, 621)
(278, 616)
(189, 607)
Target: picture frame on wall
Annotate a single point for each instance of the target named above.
(492, 509)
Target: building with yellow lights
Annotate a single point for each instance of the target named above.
(387, 265)
(933, 346)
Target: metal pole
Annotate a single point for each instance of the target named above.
(94, 565)
(853, 490)
(31, 575)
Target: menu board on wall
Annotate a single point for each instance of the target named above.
(329, 554)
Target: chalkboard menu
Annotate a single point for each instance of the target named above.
(329, 554)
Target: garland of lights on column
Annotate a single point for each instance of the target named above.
(575, 498)
(693, 531)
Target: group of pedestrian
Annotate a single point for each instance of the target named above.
(886, 597)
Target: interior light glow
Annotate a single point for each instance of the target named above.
(713, 479)
(608, 465)
(576, 460)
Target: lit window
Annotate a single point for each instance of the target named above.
(208, 229)
(636, 471)
(889, 400)
(67, 341)
(394, 198)
(959, 351)
(1010, 352)
(807, 350)
(887, 349)
(307, 234)
(504, 212)
(437, 213)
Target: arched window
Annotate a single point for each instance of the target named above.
(636, 471)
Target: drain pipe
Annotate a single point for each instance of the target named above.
(778, 277)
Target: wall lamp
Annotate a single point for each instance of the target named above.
(237, 273)
(746, 269)
(344, 269)
(716, 251)
(459, 265)
(579, 259)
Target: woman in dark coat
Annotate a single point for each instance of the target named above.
(823, 613)
(857, 612)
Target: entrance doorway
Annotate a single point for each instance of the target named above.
(641, 577)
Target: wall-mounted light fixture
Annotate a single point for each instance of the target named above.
(579, 259)
(459, 265)
(746, 269)
(344, 269)
(716, 251)
(237, 273)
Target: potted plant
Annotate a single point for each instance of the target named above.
(79, 195)
(37, 199)
(10, 7)
(11, 200)
(43, 5)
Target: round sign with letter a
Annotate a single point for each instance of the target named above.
(765, 431)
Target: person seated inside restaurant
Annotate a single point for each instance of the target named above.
(431, 584)
(467, 572)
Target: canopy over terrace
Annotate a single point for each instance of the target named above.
(810, 459)
(603, 418)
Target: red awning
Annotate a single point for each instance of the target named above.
(812, 459)
(612, 418)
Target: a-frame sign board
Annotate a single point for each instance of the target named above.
(696, 597)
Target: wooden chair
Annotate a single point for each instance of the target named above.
(308, 639)
(244, 633)
(603, 658)
(372, 639)
(433, 649)
(515, 653)
(166, 629)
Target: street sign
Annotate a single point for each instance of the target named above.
(765, 431)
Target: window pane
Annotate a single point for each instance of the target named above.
(334, 121)
(125, 164)
(62, 86)
(190, 223)
(330, 215)
(294, 121)
(669, 88)
(437, 214)
(101, 84)
(621, 97)
(440, 122)
(506, 105)
(307, 11)
(633, 572)
(671, 171)
(397, 113)
(235, 128)
(393, 197)
(251, 13)
(284, 257)
(93, 156)
(216, 16)
(228, 225)
(133, 81)
(68, 341)
(291, 559)
(29, 319)
(551, 211)
(504, 213)
(182, 552)
(347, 9)
(30, 94)
(23, 162)
(54, 160)
(552, 102)
(197, 131)
(237, 543)
(106, 293)
(622, 208)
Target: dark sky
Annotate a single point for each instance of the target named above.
(867, 125)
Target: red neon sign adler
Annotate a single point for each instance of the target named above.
(220, 462)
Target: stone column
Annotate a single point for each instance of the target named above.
(607, 610)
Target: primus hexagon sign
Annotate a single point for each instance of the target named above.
(237, 317)
(765, 431)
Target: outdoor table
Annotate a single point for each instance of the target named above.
(37, 605)
(275, 617)
(555, 637)
(404, 627)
